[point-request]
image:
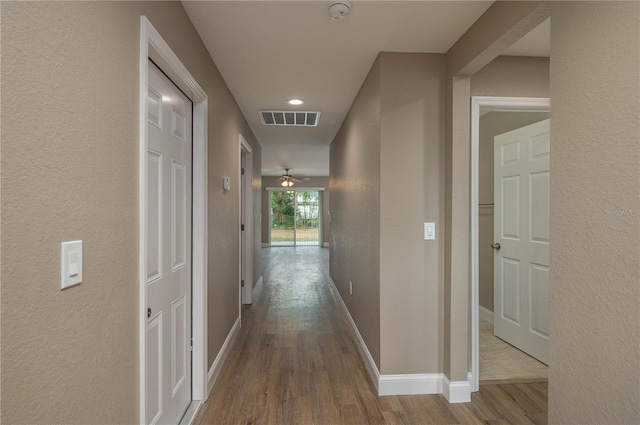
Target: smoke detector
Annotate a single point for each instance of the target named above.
(339, 10)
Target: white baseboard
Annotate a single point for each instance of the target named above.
(257, 290)
(266, 245)
(189, 417)
(425, 383)
(456, 391)
(222, 356)
(407, 384)
(485, 314)
(325, 244)
(372, 369)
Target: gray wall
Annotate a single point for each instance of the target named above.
(355, 210)
(491, 125)
(594, 352)
(320, 182)
(392, 136)
(512, 76)
(70, 171)
(412, 133)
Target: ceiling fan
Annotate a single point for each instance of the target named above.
(288, 179)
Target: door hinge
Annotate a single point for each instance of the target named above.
(242, 283)
(242, 171)
(242, 227)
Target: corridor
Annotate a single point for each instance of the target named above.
(295, 363)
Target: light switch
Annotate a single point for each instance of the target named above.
(429, 231)
(226, 183)
(70, 264)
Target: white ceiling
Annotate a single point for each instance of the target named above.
(271, 51)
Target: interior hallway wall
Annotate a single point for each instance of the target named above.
(70, 171)
(270, 181)
(512, 76)
(393, 135)
(594, 351)
(354, 180)
(411, 170)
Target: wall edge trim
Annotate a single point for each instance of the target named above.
(257, 290)
(369, 363)
(486, 314)
(216, 367)
(410, 384)
(456, 391)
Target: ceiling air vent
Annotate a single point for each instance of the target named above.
(290, 118)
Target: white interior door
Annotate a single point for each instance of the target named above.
(168, 362)
(521, 228)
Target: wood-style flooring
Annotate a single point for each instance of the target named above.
(295, 363)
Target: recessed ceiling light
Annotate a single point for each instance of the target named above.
(295, 101)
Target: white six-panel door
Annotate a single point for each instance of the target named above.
(168, 363)
(521, 227)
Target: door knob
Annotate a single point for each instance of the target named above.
(496, 246)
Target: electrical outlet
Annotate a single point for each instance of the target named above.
(350, 288)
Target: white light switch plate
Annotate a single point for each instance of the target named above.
(70, 264)
(429, 231)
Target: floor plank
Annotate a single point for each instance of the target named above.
(295, 362)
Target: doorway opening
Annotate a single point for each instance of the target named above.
(295, 218)
(246, 222)
(154, 48)
(499, 116)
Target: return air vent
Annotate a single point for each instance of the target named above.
(290, 118)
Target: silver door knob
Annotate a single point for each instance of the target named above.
(496, 246)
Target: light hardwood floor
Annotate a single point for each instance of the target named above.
(296, 363)
(501, 361)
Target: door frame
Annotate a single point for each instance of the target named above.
(519, 104)
(246, 238)
(154, 47)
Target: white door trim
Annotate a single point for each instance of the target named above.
(246, 237)
(522, 104)
(154, 47)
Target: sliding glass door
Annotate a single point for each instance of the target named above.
(295, 218)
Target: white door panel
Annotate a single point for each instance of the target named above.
(168, 370)
(521, 227)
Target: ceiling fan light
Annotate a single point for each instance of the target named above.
(284, 183)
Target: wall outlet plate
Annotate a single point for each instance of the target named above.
(70, 264)
(429, 231)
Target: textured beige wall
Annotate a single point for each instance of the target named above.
(355, 211)
(412, 135)
(323, 182)
(393, 133)
(69, 171)
(594, 353)
(512, 76)
(491, 125)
